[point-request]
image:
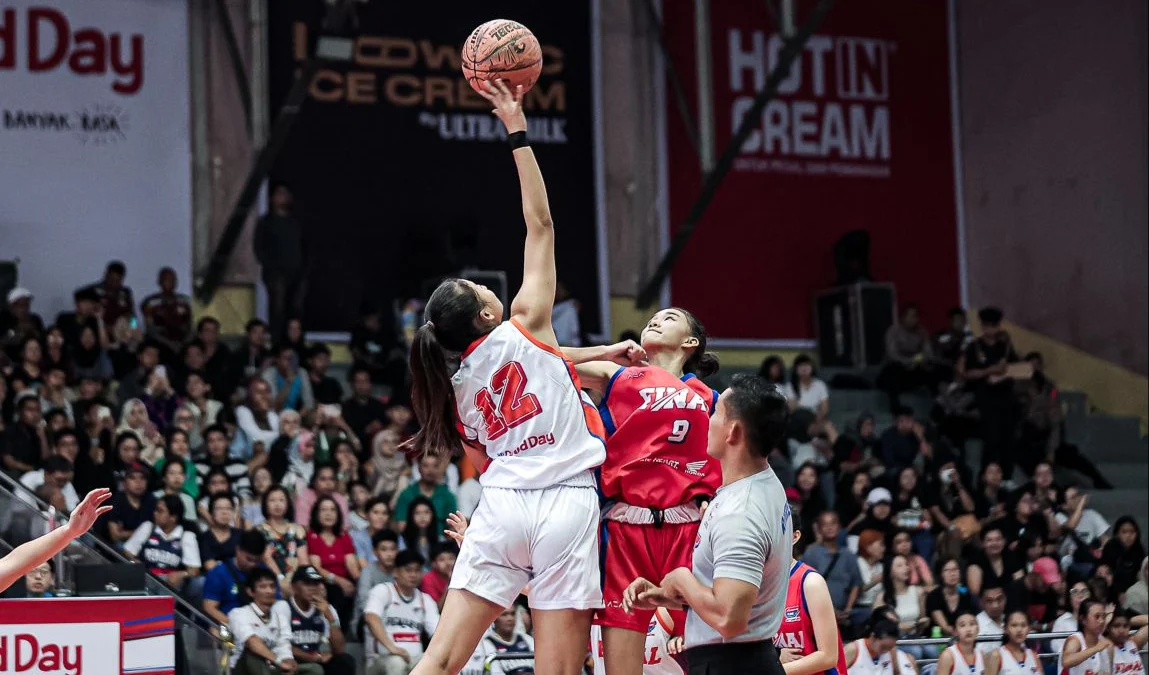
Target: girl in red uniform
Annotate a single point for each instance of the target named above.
(808, 641)
(657, 473)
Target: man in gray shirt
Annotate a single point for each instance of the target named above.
(737, 590)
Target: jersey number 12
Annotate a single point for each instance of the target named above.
(514, 406)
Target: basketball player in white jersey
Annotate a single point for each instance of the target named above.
(658, 654)
(1126, 658)
(1013, 657)
(963, 657)
(870, 655)
(1087, 652)
(515, 407)
(32, 554)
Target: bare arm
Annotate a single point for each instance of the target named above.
(725, 607)
(993, 662)
(29, 555)
(1073, 654)
(945, 664)
(211, 608)
(973, 575)
(825, 630)
(595, 375)
(375, 626)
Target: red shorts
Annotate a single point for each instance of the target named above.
(645, 551)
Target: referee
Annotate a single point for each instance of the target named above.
(736, 592)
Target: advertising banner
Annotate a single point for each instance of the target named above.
(401, 174)
(86, 636)
(860, 137)
(94, 143)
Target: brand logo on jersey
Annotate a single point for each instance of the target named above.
(672, 463)
(793, 614)
(1132, 667)
(790, 641)
(695, 468)
(671, 398)
(635, 374)
(532, 442)
(651, 627)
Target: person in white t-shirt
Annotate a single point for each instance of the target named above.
(397, 617)
(806, 391)
(1080, 526)
(503, 638)
(262, 637)
(991, 619)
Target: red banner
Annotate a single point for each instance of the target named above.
(859, 137)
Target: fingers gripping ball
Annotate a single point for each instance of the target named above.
(503, 50)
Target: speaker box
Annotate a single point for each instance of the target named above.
(851, 324)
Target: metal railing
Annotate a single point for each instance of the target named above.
(1033, 637)
(24, 516)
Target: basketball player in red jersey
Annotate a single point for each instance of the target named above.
(515, 406)
(657, 474)
(30, 555)
(808, 641)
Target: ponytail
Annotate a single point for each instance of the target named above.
(700, 362)
(432, 397)
(707, 364)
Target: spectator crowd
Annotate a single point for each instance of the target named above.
(269, 493)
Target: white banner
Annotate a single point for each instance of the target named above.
(95, 160)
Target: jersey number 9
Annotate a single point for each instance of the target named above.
(678, 431)
(515, 406)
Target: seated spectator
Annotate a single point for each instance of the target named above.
(505, 638)
(984, 366)
(420, 530)
(952, 342)
(24, 443)
(40, 581)
(378, 518)
(1023, 520)
(178, 449)
(114, 297)
(200, 405)
(1043, 486)
(59, 469)
(1136, 597)
(173, 478)
(122, 348)
(907, 599)
(435, 582)
(837, 564)
(221, 539)
(252, 507)
(18, 322)
(217, 483)
(216, 442)
(170, 553)
(871, 569)
(910, 512)
(85, 304)
(221, 592)
(773, 370)
(909, 358)
(316, 635)
(89, 393)
(1066, 621)
(167, 314)
(365, 414)
(384, 548)
(993, 566)
(332, 552)
(989, 497)
(323, 484)
(132, 507)
(295, 337)
(808, 482)
(1124, 553)
(56, 352)
(279, 455)
(28, 373)
(951, 505)
(429, 486)
(331, 430)
(387, 472)
(1037, 593)
(991, 619)
(287, 549)
(806, 391)
(217, 358)
(258, 419)
(900, 444)
(290, 386)
(400, 417)
(54, 393)
(852, 492)
(135, 381)
(89, 358)
(134, 418)
(396, 615)
(325, 389)
(160, 399)
(876, 518)
(357, 498)
(347, 475)
(950, 599)
(1084, 532)
(920, 572)
(262, 638)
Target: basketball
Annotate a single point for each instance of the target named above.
(502, 50)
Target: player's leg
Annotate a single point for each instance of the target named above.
(466, 617)
(561, 637)
(624, 633)
(623, 650)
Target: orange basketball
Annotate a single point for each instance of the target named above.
(502, 50)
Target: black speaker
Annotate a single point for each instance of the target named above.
(851, 324)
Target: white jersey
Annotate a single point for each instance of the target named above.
(1011, 666)
(522, 402)
(987, 626)
(1098, 664)
(964, 667)
(655, 659)
(406, 620)
(1127, 660)
(866, 663)
(905, 664)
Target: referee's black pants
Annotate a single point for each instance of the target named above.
(736, 658)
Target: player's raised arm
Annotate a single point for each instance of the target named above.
(33, 553)
(536, 298)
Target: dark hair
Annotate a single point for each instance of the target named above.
(174, 505)
(126, 436)
(253, 542)
(768, 364)
(1128, 520)
(956, 311)
(322, 467)
(444, 547)
(257, 575)
(762, 409)
(314, 525)
(888, 576)
(801, 359)
(64, 433)
(117, 267)
(56, 463)
(216, 471)
(384, 535)
(171, 433)
(357, 370)
(990, 315)
(205, 321)
(411, 532)
(452, 325)
(1083, 611)
(941, 564)
(216, 496)
(168, 464)
(162, 272)
(25, 400)
(214, 428)
(991, 585)
(253, 323)
(288, 515)
(1010, 611)
(700, 362)
(317, 349)
(409, 556)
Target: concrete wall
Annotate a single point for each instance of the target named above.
(1054, 137)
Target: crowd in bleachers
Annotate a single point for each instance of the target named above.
(229, 459)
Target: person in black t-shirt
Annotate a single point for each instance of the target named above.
(1037, 593)
(950, 598)
(132, 507)
(324, 388)
(984, 366)
(364, 413)
(221, 540)
(1023, 520)
(993, 566)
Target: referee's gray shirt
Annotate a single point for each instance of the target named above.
(745, 536)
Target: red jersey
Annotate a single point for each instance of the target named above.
(656, 427)
(797, 630)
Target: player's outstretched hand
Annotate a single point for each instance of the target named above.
(508, 105)
(638, 595)
(85, 515)
(456, 527)
(627, 353)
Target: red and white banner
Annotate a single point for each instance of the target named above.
(88, 636)
(859, 137)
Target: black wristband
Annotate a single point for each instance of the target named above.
(518, 139)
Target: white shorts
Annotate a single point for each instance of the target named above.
(545, 538)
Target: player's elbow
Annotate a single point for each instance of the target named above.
(539, 218)
(732, 624)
